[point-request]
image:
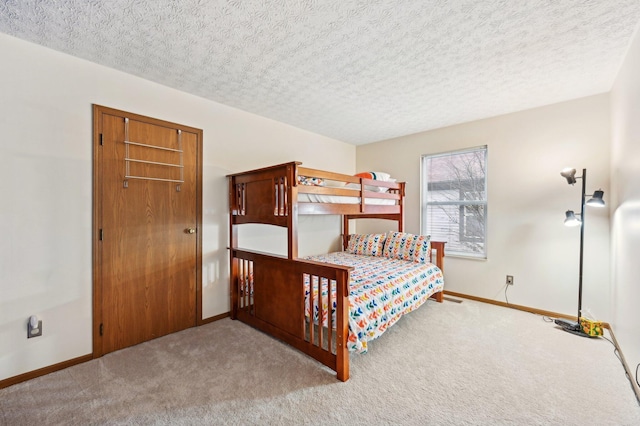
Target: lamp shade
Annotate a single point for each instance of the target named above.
(596, 200)
(571, 219)
(569, 174)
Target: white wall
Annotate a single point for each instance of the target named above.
(527, 199)
(625, 205)
(45, 182)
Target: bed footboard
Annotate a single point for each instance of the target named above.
(268, 293)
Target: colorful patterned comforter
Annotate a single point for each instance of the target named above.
(381, 291)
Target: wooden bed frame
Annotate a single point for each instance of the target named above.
(267, 291)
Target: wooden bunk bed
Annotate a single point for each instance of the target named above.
(274, 293)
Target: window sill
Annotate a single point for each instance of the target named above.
(466, 256)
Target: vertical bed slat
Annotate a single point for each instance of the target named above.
(283, 192)
(280, 192)
(240, 283)
(312, 329)
(243, 199)
(330, 286)
(310, 307)
(239, 195)
(284, 197)
(320, 311)
(281, 199)
(276, 194)
(302, 316)
(251, 290)
(243, 291)
(280, 196)
(244, 285)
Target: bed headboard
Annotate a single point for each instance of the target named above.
(262, 195)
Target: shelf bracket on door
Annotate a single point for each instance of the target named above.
(146, 147)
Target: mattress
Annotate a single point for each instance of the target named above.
(381, 291)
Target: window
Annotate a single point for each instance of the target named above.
(454, 200)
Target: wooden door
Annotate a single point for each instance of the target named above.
(147, 210)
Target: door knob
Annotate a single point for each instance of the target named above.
(190, 230)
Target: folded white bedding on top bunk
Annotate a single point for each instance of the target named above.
(342, 199)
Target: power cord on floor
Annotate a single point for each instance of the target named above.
(615, 352)
(506, 287)
(610, 341)
(637, 383)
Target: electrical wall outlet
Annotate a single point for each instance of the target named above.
(34, 327)
(509, 279)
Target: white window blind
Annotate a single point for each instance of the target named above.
(454, 200)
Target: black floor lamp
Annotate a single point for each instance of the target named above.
(596, 200)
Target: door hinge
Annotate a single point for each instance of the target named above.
(101, 234)
(101, 139)
(101, 329)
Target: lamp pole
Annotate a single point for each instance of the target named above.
(584, 186)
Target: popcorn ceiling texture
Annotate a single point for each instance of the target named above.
(356, 71)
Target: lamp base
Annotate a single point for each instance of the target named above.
(572, 327)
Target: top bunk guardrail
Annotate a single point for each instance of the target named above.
(270, 194)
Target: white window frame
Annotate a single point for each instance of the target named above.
(450, 251)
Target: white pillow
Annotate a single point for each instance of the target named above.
(334, 183)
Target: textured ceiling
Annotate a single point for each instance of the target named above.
(357, 71)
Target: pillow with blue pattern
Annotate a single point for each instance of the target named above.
(405, 246)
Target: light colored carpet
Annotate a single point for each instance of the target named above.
(460, 364)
